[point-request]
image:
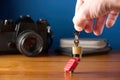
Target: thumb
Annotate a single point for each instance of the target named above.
(79, 25)
(79, 19)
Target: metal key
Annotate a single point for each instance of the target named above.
(76, 39)
(76, 49)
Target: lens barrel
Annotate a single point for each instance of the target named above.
(29, 43)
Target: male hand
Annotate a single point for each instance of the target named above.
(87, 10)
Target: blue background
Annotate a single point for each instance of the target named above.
(59, 13)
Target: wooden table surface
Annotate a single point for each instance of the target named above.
(94, 67)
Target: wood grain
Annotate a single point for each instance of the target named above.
(95, 67)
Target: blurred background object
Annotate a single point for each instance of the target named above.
(59, 13)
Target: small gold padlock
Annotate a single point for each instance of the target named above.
(77, 50)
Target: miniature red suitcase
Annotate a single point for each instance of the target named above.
(71, 65)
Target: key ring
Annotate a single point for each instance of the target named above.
(76, 39)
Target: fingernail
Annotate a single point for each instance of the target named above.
(97, 33)
(78, 28)
(109, 24)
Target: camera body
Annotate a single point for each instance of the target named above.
(25, 36)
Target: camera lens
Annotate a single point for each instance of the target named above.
(30, 43)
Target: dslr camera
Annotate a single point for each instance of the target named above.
(25, 36)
